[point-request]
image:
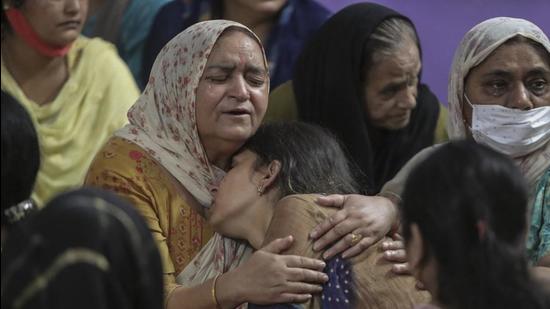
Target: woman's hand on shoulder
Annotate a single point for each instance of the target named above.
(394, 252)
(362, 221)
(268, 277)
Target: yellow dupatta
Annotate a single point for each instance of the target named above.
(72, 128)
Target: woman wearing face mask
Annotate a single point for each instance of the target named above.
(77, 90)
(499, 95)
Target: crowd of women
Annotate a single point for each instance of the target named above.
(278, 156)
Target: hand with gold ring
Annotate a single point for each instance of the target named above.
(369, 218)
(354, 238)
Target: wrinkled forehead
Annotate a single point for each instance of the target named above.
(235, 41)
(187, 53)
(482, 40)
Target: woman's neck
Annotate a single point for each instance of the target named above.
(40, 77)
(260, 221)
(220, 151)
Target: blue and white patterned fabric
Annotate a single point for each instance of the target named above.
(338, 290)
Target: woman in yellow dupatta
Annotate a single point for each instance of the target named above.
(77, 90)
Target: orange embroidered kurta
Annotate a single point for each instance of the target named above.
(175, 222)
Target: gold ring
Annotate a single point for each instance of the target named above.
(355, 238)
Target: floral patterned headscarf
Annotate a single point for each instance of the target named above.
(162, 121)
(475, 47)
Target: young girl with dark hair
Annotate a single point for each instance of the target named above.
(465, 225)
(269, 193)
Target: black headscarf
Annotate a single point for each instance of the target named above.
(90, 249)
(328, 88)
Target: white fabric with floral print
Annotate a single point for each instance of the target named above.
(162, 122)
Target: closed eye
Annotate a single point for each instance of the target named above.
(217, 78)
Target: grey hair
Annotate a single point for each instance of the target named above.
(393, 33)
(387, 38)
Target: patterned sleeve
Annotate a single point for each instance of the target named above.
(118, 169)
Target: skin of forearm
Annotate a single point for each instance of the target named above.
(393, 204)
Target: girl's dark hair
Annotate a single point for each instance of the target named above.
(470, 204)
(20, 153)
(312, 160)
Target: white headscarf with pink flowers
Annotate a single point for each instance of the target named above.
(475, 47)
(163, 123)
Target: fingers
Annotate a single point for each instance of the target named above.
(393, 245)
(397, 236)
(296, 261)
(343, 244)
(302, 288)
(399, 256)
(334, 200)
(306, 275)
(401, 269)
(360, 247)
(293, 298)
(331, 230)
(278, 245)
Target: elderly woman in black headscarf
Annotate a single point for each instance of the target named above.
(85, 249)
(360, 77)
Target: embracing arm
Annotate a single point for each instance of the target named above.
(370, 217)
(265, 278)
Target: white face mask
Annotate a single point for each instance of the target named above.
(512, 132)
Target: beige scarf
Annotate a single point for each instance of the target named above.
(475, 47)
